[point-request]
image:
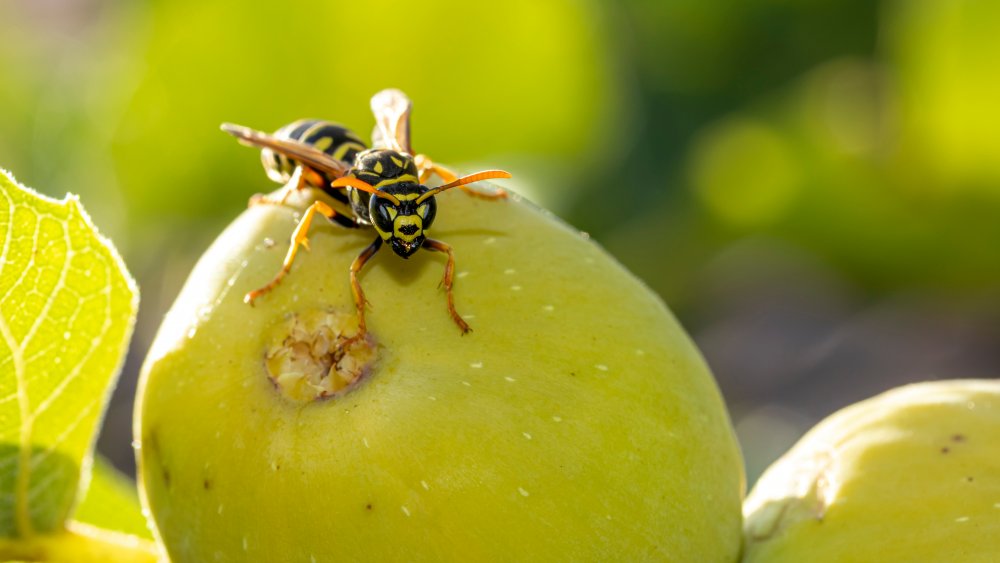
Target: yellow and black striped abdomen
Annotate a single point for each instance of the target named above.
(335, 140)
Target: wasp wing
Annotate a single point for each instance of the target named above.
(392, 121)
(301, 152)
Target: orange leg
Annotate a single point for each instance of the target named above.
(359, 294)
(299, 238)
(302, 178)
(447, 280)
(427, 167)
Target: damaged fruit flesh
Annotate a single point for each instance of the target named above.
(576, 422)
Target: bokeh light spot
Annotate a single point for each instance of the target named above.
(744, 172)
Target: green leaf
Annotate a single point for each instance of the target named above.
(67, 307)
(112, 502)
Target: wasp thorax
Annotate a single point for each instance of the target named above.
(384, 164)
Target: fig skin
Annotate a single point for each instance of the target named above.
(576, 422)
(909, 475)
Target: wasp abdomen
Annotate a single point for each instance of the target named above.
(335, 140)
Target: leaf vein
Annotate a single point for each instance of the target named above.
(10, 232)
(60, 284)
(78, 368)
(42, 455)
(12, 291)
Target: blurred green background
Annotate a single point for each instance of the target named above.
(813, 186)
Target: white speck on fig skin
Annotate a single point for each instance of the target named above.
(425, 485)
(523, 492)
(405, 510)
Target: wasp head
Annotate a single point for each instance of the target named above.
(402, 224)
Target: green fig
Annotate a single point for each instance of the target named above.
(577, 421)
(910, 475)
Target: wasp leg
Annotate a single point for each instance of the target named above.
(359, 294)
(447, 280)
(302, 178)
(299, 238)
(427, 167)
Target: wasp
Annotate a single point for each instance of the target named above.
(382, 187)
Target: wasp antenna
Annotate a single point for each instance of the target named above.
(471, 178)
(351, 181)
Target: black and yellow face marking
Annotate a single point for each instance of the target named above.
(381, 185)
(403, 225)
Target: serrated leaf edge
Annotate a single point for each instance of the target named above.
(22, 495)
